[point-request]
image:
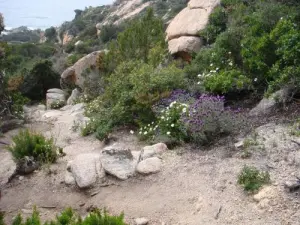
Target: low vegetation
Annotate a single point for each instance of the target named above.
(251, 179)
(68, 217)
(31, 144)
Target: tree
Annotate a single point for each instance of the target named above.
(50, 33)
(1, 23)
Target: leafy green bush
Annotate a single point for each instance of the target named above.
(31, 144)
(69, 217)
(251, 179)
(263, 44)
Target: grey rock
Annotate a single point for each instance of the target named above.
(8, 167)
(141, 221)
(120, 163)
(27, 165)
(150, 165)
(8, 125)
(55, 96)
(74, 97)
(86, 169)
(267, 105)
(56, 91)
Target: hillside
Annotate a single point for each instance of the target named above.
(171, 112)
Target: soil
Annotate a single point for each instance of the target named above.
(193, 187)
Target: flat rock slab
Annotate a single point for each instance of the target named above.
(120, 163)
(86, 169)
(8, 167)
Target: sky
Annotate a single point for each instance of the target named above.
(42, 13)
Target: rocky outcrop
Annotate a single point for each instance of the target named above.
(183, 31)
(83, 69)
(67, 38)
(55, 98)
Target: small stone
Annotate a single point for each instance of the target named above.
(21, 178)
(150, 165)
(69, 178)
(141, 221)
(239, 144)
(154, 150)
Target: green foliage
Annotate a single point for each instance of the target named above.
(251, 179)
(31, 144)
(263, 44)
(133, 89)
(109, 32)
(217, 24)
(224, 81)
(136, 41)
(39, 80)
(18, 102)
(69, 217)
(50, 34)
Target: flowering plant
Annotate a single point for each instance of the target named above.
(168, 122)
(208, 118)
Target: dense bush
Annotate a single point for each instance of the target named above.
(258, 39)
(69, 217)
(251, 179)
(38, 80)
(31, 144)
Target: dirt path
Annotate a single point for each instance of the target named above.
(194, 187)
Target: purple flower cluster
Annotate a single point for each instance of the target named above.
(208, 117)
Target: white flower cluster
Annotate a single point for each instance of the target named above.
(213, 71)
(167, 121)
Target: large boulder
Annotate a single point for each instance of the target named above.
(185, 44)
(203, 4)
(86, 169)
(188, 23)
(84, 69)
(119, 162)
(67, 38)
(55, 98)
(183, 31)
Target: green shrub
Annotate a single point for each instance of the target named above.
(18, 102)
(251, 179)
(69, 217)
(217, 24)
(39, 79)
(168, 123)
(31, 144)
